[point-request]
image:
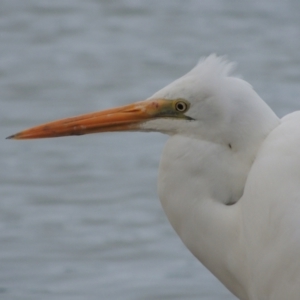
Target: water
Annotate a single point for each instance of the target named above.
(80, 217)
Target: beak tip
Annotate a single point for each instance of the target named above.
(12, 137)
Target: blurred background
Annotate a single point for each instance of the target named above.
(80, 216)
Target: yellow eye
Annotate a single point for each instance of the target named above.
(181, 106)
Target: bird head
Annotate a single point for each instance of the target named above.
(206, 103)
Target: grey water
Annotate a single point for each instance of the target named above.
(80, 216)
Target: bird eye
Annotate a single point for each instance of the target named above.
(181, 106)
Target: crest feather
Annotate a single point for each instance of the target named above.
(213, 65)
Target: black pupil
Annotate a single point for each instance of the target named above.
(180, 106)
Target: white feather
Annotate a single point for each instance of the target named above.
(229, 182)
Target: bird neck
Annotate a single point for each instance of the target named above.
(197, 181)
(201, 179)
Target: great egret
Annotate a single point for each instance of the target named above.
(229, 177)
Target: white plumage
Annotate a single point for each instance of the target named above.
(239, 152)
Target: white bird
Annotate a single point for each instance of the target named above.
(229, 177)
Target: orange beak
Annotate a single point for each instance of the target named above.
(128, 117)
